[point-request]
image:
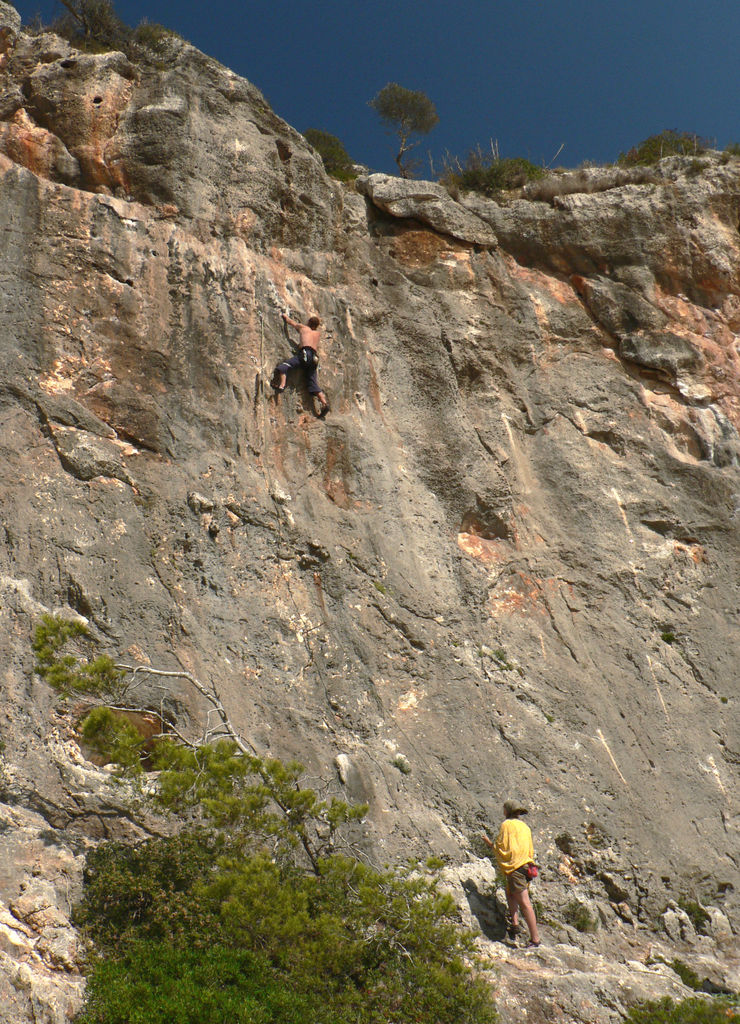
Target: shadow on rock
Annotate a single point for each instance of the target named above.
(486, 911)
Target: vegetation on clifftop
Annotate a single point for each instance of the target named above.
(337, 161)
(94, 26)
(405, 113)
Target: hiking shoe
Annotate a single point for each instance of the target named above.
(512, 932)
(532, 945)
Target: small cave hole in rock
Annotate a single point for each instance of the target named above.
(486, 525)
(67, 64)
(77, 599)
(283, 151)
(97, 100)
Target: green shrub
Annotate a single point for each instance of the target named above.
(666, 143)
(65, 673)
(491, 174)
(577, 915)
(689, 977)
(92, 25)
(368, 946)
(696, 912)
(732, 148)
(254, 916)
(153, 891)
(153, 37)
(118, 741)
(337, 162)
(690, 1011)
(157, 983)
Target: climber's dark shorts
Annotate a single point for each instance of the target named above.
(517, 881)
(307, 361)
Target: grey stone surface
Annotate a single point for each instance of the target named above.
(508, 556)
(427, 202)
(10, 26)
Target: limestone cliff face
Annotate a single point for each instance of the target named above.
(510, 554)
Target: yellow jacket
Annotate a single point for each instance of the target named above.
(513, 846)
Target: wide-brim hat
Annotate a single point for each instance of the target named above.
(513, 807)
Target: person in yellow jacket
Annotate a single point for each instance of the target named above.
(514, 851)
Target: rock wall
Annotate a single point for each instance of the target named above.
(505, 564)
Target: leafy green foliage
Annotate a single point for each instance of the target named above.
(405, 113)
(365, 945)
(254, 798)
(153, 37)
(115, 739)
(64, 672)
(254, 916)
(152, 892)
(666, 143)
(579, 916)
(156, 983)
(502, 660)
(489, 177)
(92, 24)
(337, 162)
(690, 1011)
(698, 915)
(492, 174)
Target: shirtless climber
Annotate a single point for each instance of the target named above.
(306, 358)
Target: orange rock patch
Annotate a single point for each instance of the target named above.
(419, 248)
(521, 595)
(486, 551)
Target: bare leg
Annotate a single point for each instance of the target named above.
(528, 913)
(513, 908)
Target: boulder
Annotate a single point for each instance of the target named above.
(428, 203)
(10, 26)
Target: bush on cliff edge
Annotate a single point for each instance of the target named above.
(489, 174)
(337, 161)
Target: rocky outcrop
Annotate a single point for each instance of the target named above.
(10, 24)
(428, 203)
(506, 562)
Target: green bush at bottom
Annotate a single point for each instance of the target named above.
(157, 983)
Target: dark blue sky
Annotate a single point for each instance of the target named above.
(596, 76)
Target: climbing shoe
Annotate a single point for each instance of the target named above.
(324, 410)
